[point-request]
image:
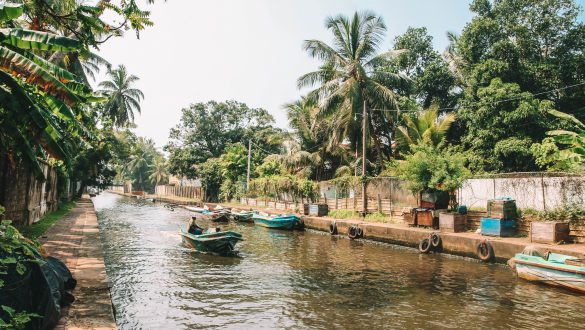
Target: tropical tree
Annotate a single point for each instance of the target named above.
(424, 128)
(572, 143)
(159, 171)
(313, 144)
(349, 78)
(123, 98)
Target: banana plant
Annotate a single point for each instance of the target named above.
(572, 141)
(40, 101)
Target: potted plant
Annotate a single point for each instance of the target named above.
(437, 169)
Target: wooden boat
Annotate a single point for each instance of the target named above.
(196, 209)
(278, 222)
(552, 269)
(221, 242)
(243, 216)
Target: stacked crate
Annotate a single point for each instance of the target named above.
(501, 218)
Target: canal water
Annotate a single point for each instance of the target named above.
(307, 280)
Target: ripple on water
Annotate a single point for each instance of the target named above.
(306, 280)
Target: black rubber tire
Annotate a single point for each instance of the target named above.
(299, 224)
(485, 251)
(359, 232)
(425, 245)
(333, 228)
(436, 240)
(352, 232)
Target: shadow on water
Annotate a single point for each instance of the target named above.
(305, 280)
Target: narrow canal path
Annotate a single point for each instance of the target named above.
(306, 280)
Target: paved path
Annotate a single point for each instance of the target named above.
(75, 240)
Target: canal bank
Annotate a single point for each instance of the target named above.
(75, 240)
(462, 244)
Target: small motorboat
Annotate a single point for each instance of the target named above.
(243, 216)
(550, 268)
(196, 209)
(221, 242)
(210, 240)
(278, 222)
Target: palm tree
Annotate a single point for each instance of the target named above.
(159, 171)
(350, 78)
(424, 128)
(315, 137)
(138, 165)
(123, 100)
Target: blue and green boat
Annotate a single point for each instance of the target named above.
(550, 268)
(220, 242)
(278, 222)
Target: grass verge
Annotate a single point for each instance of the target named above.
(37, 229)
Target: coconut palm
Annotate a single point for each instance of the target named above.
(424, 128)
(123, 99)
(139, 166)
(315, 144)
(159, 171)
(350, 78)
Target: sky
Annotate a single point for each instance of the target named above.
(248, 50)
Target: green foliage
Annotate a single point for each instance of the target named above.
(574, 213)
(428, 167)
(571, 142)
(16, 252)
(501, 132)
(344, 214)
(207, 129)
(282, 186)
(351, 75)
(425, 127)
(122, 99)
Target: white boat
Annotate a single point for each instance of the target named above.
(551, 268)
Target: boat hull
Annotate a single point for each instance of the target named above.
(286, 223)
(221, 242)
(554, 273)
(243, 217)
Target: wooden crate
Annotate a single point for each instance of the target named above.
(498, 227)
(319, 210)
(409, 215)
(549, 232)
(452, 222)
(424, 218)
(501, 209)
(306, 209)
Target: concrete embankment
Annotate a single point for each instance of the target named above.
(463, 244)
(75, 240)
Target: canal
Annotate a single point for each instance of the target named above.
(306, 280)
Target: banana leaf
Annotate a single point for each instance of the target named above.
(10, 10)
(38, 40)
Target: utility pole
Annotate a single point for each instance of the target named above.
(249, 158)
(364, 128)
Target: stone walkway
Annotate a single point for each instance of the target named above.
(75, 240)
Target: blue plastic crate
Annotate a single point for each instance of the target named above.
(498, 227)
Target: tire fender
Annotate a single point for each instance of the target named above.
(425, 245)
(485, 251)
(333, 228)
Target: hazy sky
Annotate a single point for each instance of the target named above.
(248, 50)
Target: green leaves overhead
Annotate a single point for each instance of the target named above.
(10, 10)
(37, 40)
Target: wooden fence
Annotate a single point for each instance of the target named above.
(179, 191)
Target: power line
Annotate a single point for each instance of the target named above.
(495, 102)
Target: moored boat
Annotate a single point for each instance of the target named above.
(278, 222)
(243, 216)
(550, 268)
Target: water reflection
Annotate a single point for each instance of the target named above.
(306, 280)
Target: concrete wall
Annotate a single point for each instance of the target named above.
(539, 192)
